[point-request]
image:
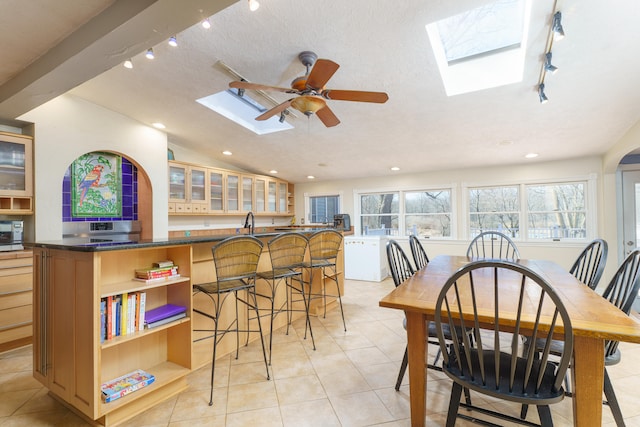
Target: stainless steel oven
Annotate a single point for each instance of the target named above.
(11, 236)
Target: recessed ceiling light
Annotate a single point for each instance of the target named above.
(395, 168)
(206, 24)
(158, 125)
(531, 155)
(227, 153)
(273, 171)
(311, 177)
(173, 41)
(149, 54)
(505, 143)
(128, 64)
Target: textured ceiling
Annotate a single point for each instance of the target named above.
(380, 46)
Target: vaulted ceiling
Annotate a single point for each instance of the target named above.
(51, 47)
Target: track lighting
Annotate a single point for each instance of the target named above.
(548, 66)
(149, 54)
(253, 5)
(128, 64)
(240, 92)
(206, 24)
(557, 26)
(281, 119)
(173, 41)
(543, 97)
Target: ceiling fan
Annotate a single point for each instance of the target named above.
(311, 92)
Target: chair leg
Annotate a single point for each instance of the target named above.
(403, 368)
(237, 327)
(610, 394)
(523, 411)
(454, 404)
(306, 308)
(545, 416)
(255, 307)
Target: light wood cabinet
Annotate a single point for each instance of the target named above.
(16, 174)
(69, 357)
(188, 188)
(200, 190)
(16, 283)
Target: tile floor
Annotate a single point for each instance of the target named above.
(347, 381)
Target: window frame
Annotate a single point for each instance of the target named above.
(307, 204)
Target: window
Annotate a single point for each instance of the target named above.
(494, 208)
(557, 211)
(379, 213)
(428, 213)
(551, 210)
(323, 208)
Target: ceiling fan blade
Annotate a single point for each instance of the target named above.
(256, 86)
(327, 117)
(275, 110)
(355, 95)
(321, 72)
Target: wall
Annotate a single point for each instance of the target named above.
(67, 127)
(563, 252)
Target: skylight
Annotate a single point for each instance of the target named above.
(483, 47)
(243, 110)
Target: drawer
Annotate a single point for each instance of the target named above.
(16, 300)
(16, 283)
(172, 207)
(13, 334)
(7, 264)
(17, 316)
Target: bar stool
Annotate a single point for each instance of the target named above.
(324, 246)
(236, 262)
(287, 253)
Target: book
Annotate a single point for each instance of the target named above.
(157, 279)
(166, 320)
(109, 317)
(121, 386)
(163, 312)
(103, 319)
(163, 264)
(143, 302)
(124, 311)
(151, 273)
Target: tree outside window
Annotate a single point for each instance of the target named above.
(494, 209)
(557, 211)
(428, 213)
(379, 214)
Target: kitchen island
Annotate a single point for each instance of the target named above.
(72, 276)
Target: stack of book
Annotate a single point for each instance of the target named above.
(122, 314)
(121, 386)
(161, 270)
(164, 314)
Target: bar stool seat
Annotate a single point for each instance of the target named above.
(287, 252)
(236, 262)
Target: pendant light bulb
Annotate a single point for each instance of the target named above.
(149, 54)
(253, 5)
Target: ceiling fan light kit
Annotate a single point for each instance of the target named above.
(311, 91)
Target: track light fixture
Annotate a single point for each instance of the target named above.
(281, 119)
(173, 41)
(128, 64)
(253, 5)
(149, 54)
(548, 66)
(557, 26)
(541, 95)
(206, 24)
(240, 92)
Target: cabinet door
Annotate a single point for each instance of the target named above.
(282, 197)
(247, 193)
(272, 190)
(198, 187)
(261, 194)
(16, 165)
(233, 193)
(177, 183)
(216, 182)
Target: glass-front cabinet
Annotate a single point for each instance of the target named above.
(16, 173)
(233, 192)
(187, 188)
(216, 191)
(247, 193)
(261, 194)
(282, 197)
(272, 191)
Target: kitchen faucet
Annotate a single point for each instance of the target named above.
(246, 222)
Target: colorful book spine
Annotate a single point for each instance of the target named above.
(103, 319)
(124, 311)
(156, 273)
(143, 302)
(121, 386)
(109, 317)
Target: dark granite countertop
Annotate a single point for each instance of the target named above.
(103, 244)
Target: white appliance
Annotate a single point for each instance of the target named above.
(365, 258)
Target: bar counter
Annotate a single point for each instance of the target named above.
(72, 278)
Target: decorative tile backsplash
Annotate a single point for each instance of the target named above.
(129, 196)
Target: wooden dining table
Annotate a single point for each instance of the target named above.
(593, 318)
